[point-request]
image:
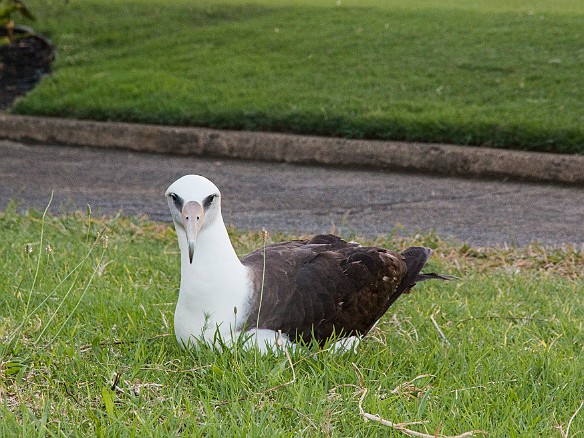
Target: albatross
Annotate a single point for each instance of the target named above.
(300, 291)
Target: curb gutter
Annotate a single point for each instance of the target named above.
(391, 155)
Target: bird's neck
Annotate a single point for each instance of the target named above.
(212, 286)
(213, 249)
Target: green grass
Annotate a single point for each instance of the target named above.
(492, 72)
(87, 346)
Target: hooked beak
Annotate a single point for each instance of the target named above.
(192, 219)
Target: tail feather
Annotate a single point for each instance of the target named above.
(434, 276)
(415, 258)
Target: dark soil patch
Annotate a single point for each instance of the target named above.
(23, 63)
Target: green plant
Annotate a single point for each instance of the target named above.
(7, 9)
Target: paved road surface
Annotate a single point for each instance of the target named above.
(305, 199)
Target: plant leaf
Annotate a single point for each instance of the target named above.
(25, 11)
(108, 400)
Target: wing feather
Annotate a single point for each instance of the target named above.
(326, 285)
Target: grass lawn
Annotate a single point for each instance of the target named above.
(87, 345)
(493, 72)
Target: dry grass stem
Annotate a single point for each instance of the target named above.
(264, 241)
(456, 391)
(401, 427)
(439, 330)
(300, 414)
(408, 388)
(566, 434)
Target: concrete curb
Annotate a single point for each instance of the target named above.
(417, 157)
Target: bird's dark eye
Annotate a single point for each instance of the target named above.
(208, 201)
(177, 200)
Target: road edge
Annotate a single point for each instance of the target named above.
(442, 159)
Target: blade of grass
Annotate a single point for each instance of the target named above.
(36, 273)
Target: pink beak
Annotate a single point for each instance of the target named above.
(192, 220)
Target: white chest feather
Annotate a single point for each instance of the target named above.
(214, 290)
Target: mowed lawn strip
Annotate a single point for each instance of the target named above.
(489, 73)
(87, 345)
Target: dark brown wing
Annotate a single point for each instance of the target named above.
(323, 286)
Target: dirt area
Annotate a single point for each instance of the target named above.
(23, 63)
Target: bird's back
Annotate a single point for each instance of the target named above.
(323, 286)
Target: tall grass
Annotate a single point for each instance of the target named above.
(88, 347)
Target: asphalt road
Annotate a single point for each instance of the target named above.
(302, 199)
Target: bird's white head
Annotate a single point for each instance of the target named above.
(195, 203)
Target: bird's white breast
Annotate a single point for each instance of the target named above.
(214, 290)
